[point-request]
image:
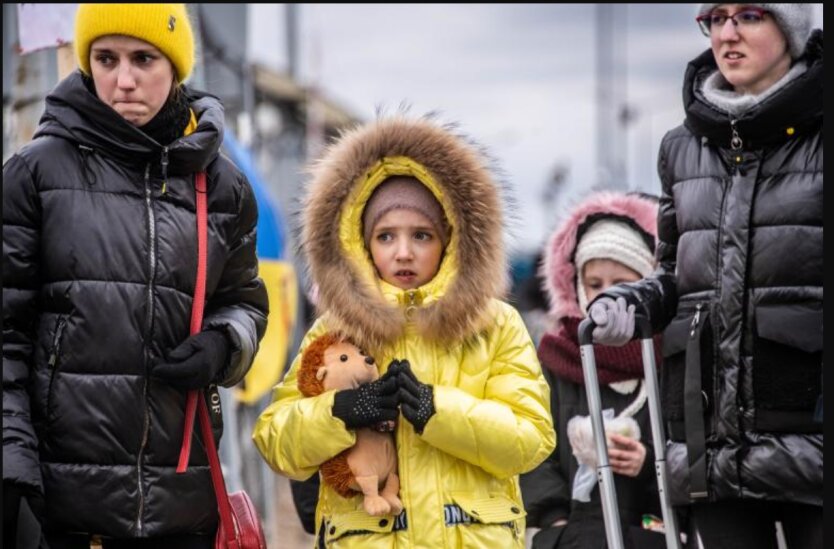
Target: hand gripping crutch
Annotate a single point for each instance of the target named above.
(605, 476)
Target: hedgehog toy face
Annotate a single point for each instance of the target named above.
(346, 367)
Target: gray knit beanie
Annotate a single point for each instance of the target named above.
(794, 20)
(408, 193)
(614, 240)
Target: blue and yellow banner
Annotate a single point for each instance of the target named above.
(279, 277)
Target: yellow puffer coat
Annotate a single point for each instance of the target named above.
(459, 479)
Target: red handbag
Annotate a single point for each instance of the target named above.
(240, 526)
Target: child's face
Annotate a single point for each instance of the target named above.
(405, 248)
(599, 274)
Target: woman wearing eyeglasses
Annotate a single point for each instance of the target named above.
(739, 289)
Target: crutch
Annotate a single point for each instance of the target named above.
(605, 476)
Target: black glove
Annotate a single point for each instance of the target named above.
(14, 496)
(416, 399)
(368, 404)
(196, 362)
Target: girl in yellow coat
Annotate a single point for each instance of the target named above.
(402, 230)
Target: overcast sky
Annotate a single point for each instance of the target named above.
(519, 78)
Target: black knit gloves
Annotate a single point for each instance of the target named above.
(368, 404)
(416, 399)
(195, 363)
(377, 402)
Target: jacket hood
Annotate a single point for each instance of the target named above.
(73, 113)
(453, 305)
(558, 269)
(791, 111)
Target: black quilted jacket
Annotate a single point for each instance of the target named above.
(740, 238)
(99, 265)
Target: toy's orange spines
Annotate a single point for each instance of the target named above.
(311, 360)
(336, 473)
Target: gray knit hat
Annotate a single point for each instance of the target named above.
(615, 240)
(408, 193)
(793, 19)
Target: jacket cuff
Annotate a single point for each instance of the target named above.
(549, 517)
(240, 356)
(343, 407)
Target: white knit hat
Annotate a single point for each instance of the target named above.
(615, 240)
(793, 19)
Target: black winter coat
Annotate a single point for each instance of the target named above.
(99, 267)
(741, 238)
(546, 490)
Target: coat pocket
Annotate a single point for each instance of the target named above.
(787, 367)
(493, 520)
(357, 523)
(673, 370)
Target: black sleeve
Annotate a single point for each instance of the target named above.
(305, 496)
(239, 306)
(21, 274)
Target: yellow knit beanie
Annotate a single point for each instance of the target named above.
(166, 26)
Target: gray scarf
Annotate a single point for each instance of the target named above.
(715, 90)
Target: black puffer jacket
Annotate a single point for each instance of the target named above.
(99, 267)
(740, 236)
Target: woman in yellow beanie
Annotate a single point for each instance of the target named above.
(99, 269)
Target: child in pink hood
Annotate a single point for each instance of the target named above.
(607, 239)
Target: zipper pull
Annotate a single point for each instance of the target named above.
(735, 141)
(164, 162)
(409, 310)
(695, 320)
(56, 341)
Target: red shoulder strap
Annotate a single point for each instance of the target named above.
(197, 307)
(195, 398)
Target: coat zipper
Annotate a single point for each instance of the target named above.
(735, 143)
(410, 307)
(148, 329)
(164, 164)
(55, 356)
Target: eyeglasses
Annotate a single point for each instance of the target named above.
(746, 18)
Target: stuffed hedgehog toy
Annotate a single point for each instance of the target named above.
(368, 467)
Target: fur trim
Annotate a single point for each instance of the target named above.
(559, 271)
(358, 309)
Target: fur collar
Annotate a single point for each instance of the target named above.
(559, 272)
(452, 307)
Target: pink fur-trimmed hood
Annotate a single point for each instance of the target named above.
(558, 270)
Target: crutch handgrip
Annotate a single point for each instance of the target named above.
(642, 328)
(586, 331)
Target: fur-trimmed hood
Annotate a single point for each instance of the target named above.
(558, 269)
(356, 303)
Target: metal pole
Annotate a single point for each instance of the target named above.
(606, 120)
(673, 540)
(608, 495)
(292, 40)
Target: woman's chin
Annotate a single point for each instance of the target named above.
(134, 118)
